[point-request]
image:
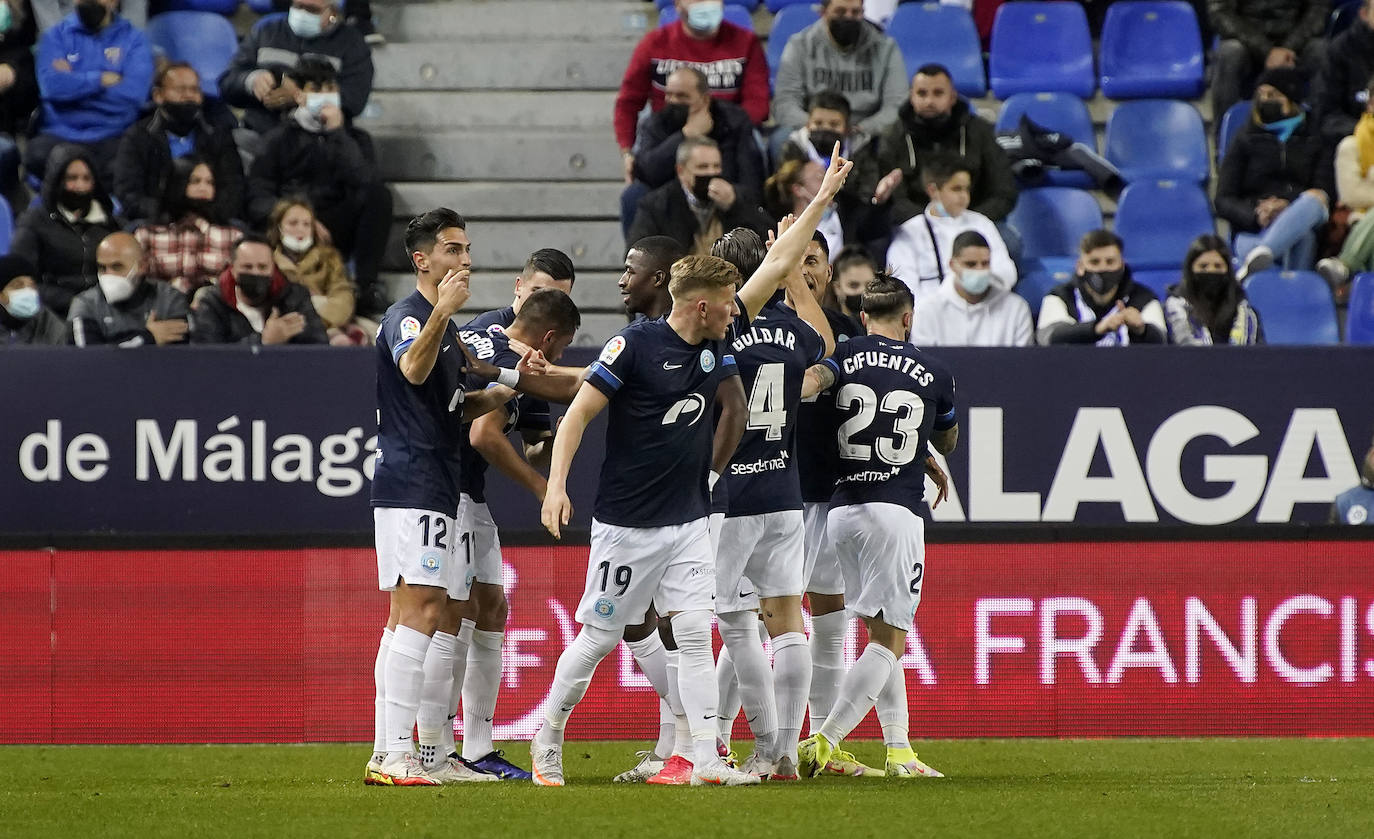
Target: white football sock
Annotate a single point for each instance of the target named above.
(461, 643)
(682, 732)
(696, 681)
(480, 687)
(859, 690)
(827, 664)
(667, 729)
(727, 685)
(741, 635)
(405, 674)
(576, 666)
(893, 712)
(434, 697)
(652, 658)
(791, 681)
(379, 704)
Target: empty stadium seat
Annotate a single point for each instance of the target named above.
(204, 40)
(751, 5)
(734, 13)
(1295, 307)
(1158, 220)
(1041, 47)
(788, 22)
(776, 6)
(1062, 112)
(1359, 324)
(1157, 280)
(1231, 123)
(262, 7)
(1151, 49)
(1153, 139)
(226, 8)
(1050, 220)
(929, 33)
(6, 225)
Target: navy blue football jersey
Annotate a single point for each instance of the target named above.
(818, 461)
(534, 412)
(658, 435)
(493, 348)
(773, 355)
(499, 318)
(419, 427)
(891, 396)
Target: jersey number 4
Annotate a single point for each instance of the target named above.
(898, 450)
(767, 411)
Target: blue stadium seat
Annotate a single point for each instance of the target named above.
(734, 13)
(929, 33)
(1039, 277)
(262, 7)
(1157, 280)
(1295, 307)
(1151, 49)
(1359, 324)
(751, 5)
(226, 8)
(1061, 112)
(776, 6)
(1041, 46)
(1231, 123)
(6, 225)
(1152, 139)
(204, 40)
(1158, 220)
(788, 22)
(1050, 220)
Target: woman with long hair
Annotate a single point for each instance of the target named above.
(293, 231)
(1209, 305)
(190, 245)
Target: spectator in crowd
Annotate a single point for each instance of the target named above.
(189, 247)
(302, 258)
(1345, 74)
(790, 190)
(692, 112)
(59, 236)
(1275, 180)
(969, 309)
(23, 317)
(94, 70)
(1355, 504)
(1354, 172)
(257, 79)
(730, 56)
(843, 52)
(1259, 35)
(254, 304)
(18, 85)
(50, 12)
(922, 246)
(357, 13)
(127, 308)
(853, 269)
(177, 129)
(1101, 305)
(933, 120)
(700, 205)
(312, 154)
(1209, 306)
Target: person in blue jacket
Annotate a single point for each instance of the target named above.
(94, 73)
(1355, 505)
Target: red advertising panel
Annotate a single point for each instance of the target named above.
(1070, 640)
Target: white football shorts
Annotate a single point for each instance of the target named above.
(821, 570)
(759, 555)
(882, 551)
(421, 547)
(630, 567)
(475, 519)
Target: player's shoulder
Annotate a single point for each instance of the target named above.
(494, 321)
(484, 344)
(931, 362)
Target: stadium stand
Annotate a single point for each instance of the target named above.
(1039, 47)
(204, 39)
(1061, 112)
(6, 225)
(734, 12)
(1153, 139)
(1158, 219)
(1151, 49)
(1231, 123)
(1295, 307)
(931, 33)
(789, 21)
(1359, 325)
(1050, 220)
(225, 8)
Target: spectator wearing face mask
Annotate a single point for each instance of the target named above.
(23, 317)
(790, 191)
(969, 309)
(1209, 307)
(127, 308)
(94, 71)
(254, 304)
(302, 258)
(313, 154)
(60, 235)
(190, 247)
(1101, 305)
(177, 129)
(49, 13)
(852, 270)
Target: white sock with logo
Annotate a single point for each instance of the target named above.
(379, 703)
(741, 635)
(405, 674)
(432, 715)
(827, 664)
(682, 732)
(480, 688)
(859, 690)
(791, 681)
(727, 685)
(461, 642)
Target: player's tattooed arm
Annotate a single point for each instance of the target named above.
(819, 377)
(489, 439)
(945, 441)
(418, 360)
(734, 415)
(557, 507)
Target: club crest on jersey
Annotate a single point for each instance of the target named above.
(432, 563)
(1357, 514)
(708, 361)
(604, 608)
(410, 328)
(112, 54)
(612, 349)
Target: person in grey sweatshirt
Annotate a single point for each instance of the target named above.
(847, 54)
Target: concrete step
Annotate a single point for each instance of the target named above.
(499, 245)
(502, 65)
(440, 110)
(512, 200)
(499, 156)
(535, 20)
(595, 291)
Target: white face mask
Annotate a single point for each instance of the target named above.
(116, 287)
(305, 24)
(975, 280)
(315, 103)
(299, 244)
(24, 303)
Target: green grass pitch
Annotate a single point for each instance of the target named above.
(1039, 788)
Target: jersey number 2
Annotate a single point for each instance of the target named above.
(766, 411)
(898, 450)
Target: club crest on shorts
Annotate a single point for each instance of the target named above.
(612, 349)
(604, 608)
(432, 562)
(1357, 514)
(708, 361)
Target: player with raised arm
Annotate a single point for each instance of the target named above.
(894, 399)
(650, 539)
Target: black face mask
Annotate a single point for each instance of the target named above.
(1211, 284)
(254, 287)
(1269, 111)
(845, 31)
(853, 302)
(199, 206)
(674, 116)
(1101, 282)
(701, 187)
(91, 15)
(75, 202)
(180, 117)
(824, 141)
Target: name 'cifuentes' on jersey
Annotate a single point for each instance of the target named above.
(773, 355)
(659, 429)
(494, 348)
(891, 396)
(419, 427)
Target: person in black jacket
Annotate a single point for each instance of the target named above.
(1345, 78)
(690, 111)
(1101, 306)
(314, 154)
(18, 84)
(177, 128)
(1276, 178)
(1258, 35)
(253, 303)
(23, 317)
(699, 206)
(127, 309)
(60, 235)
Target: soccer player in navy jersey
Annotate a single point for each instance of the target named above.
(422, 401)
(650, 541)
(894, 399)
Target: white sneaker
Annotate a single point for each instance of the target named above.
(1261, 258)
(718, 774)
(546, 764)
(405, 771)
(1333, 271)
(451, 770)
(649, 765)
(757, 764)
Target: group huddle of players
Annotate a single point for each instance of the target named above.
(759, 447)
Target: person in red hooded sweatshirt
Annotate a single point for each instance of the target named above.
(253, 303)
(730, 56)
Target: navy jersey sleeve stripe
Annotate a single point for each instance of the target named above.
(399, 349)
(946, 421)
(830, 362)
(603, 379)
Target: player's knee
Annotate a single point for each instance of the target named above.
(601, 641)
(641, 631)
(490, 606)
(737, 628)
(665, 632)
(692, 630)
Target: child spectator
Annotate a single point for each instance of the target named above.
(302, 258)
(191, 246)
(1209, 306)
